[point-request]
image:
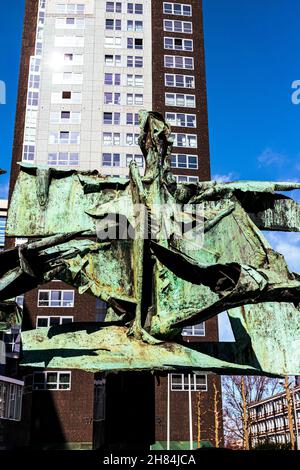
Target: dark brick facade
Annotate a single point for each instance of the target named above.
(158, 83)
(179, 417)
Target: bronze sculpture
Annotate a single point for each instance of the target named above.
(155, 277)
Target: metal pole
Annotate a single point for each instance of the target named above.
(168, 414)
(190, 414)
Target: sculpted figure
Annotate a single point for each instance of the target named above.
(160, 282)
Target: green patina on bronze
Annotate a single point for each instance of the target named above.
(157, 285)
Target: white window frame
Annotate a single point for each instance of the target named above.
(57, 389)
(48, 317)
(184, 387)
(187, 178)
(64, 162)
(173, 12)
(185, 85)
(138, 158)
(175, 65)
(113, 42)
(177, 122)
(113, 159)
(70, 8)
(189, 101)
(61, 23)
(176, 47)
(187, 167)
(195, 330)
(61, 300)
(174, 26)
(69, 41)
(115, 139)
(187, 136)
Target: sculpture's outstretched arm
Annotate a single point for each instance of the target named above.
(236, 284)
(94, 348)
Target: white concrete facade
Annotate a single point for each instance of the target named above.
(75, 53)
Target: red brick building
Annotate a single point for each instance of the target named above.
(87, 67)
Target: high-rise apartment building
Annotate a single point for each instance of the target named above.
(3, 216)
(87, 68)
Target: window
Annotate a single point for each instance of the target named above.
(114, 7)
(66, 96)
(111, 138)
(135, 80)
(113, 24)
(101, 310)
(67, 77)
(12, 340)
(42, 322)
(134, 99)
(69, 23)
(181, 120)
(56, 298)
(132, 118)
(69, 41)
(63, 159)
(51, 381)
(20, 298)
(134, 43)
(179, 62)
(186, 179)
(11, 399)
(34, 81)
(177, 9)
(135, 61)
(180, 81)
(78, 8)
(178, 99)
(178, 44)
(2, 231)
(112, 98)
(64, 137)
(111, 59)
(112, 42)
(182, 382)
(35, 64)
(68, 117)
(33, 98)
(184, 161)
(137, 158)
(99, 399)
(111, 118)
(111, 159)
(136, 8)
(196, 330)
(184, 140)
(68, 57)
(134, 26)
(132, 139)
(112, 79)
(178, 26)
(28, 153)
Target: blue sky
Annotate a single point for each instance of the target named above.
(252, 58)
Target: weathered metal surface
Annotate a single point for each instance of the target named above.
(95, 348)
(161, 283)
(10, 315)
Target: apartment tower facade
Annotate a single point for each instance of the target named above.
(87, 68)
